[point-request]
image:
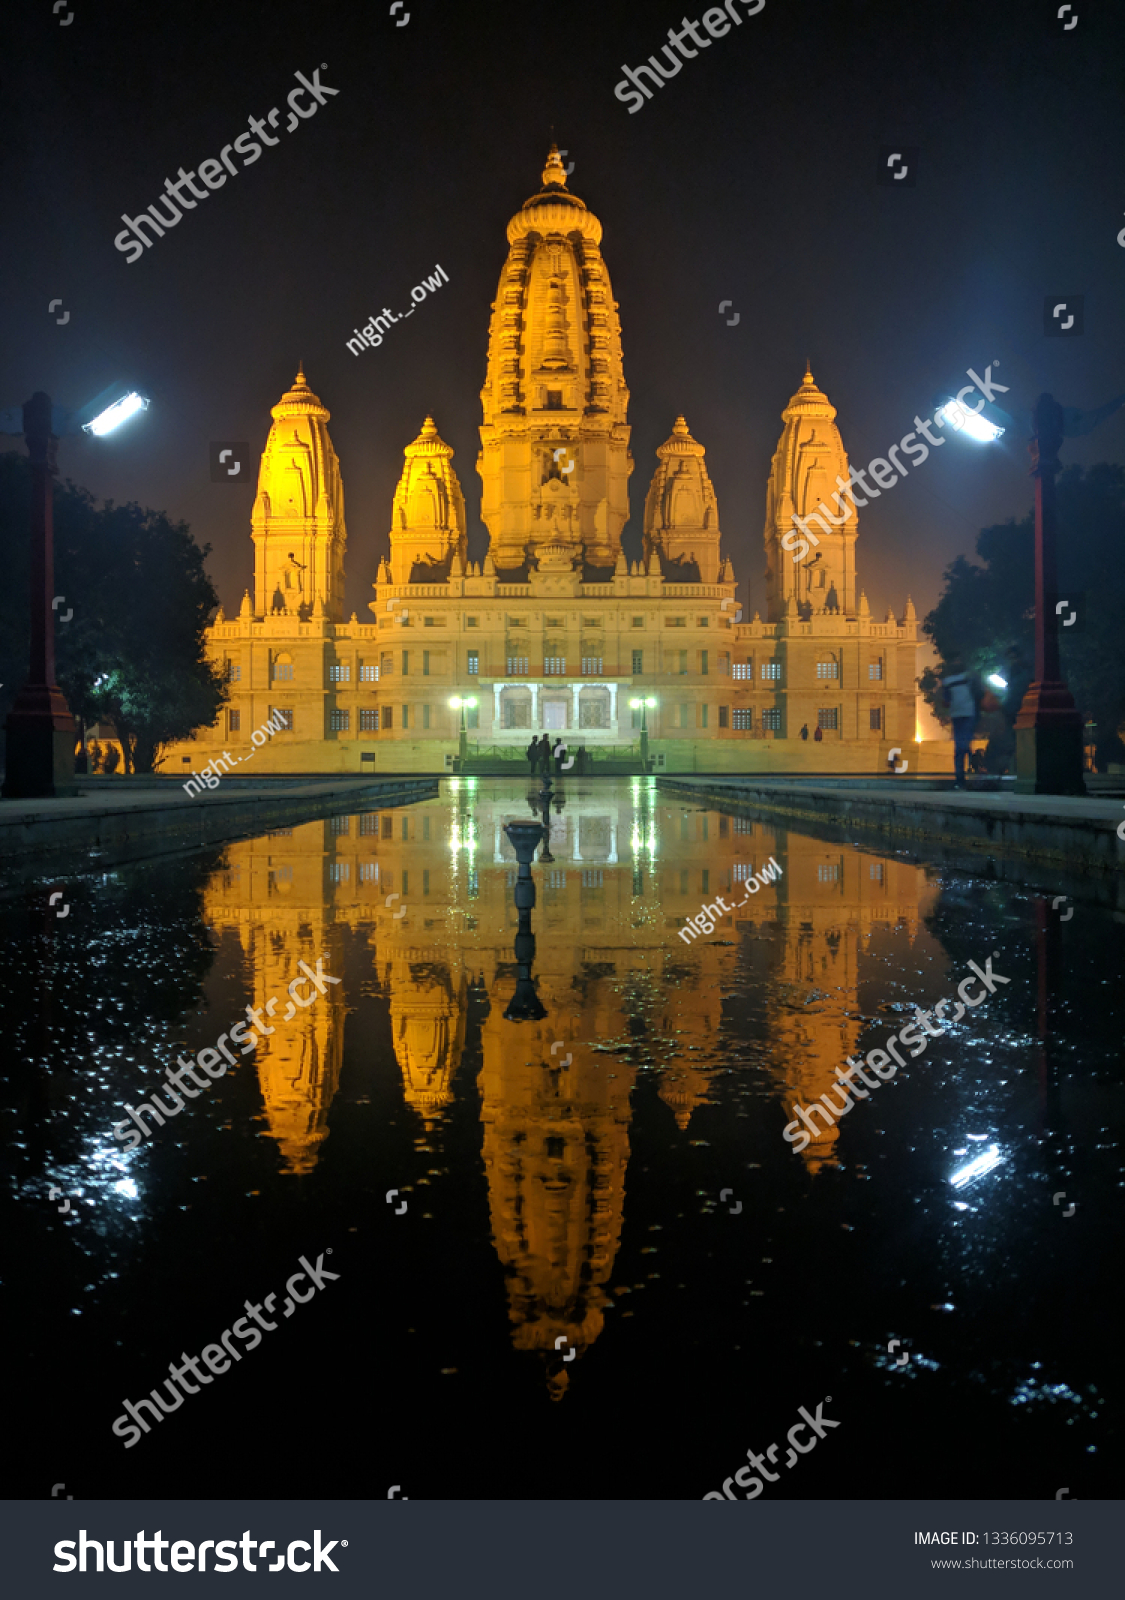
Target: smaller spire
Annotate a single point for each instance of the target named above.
(554, 172)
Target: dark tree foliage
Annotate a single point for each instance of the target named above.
(133, 651)
(986, 613)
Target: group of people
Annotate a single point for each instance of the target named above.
(541, 753)
(817, 736)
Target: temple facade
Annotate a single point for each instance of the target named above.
(555, 629)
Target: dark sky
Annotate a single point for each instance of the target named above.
(749, 177)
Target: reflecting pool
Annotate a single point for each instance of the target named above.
(575, 1256)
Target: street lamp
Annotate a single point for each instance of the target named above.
(40, 729)
(460, 702)
(642, 705)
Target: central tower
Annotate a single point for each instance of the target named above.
(554, 461)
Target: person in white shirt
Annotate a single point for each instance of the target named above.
(957, 693)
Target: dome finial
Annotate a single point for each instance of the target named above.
(554, 172)
(808, 371)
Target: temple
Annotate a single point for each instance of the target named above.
(555, 629)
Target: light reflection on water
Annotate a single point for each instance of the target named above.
(576, 1164)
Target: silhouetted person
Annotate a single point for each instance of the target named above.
(957, 694)
(533, 755)
(805, 731)
(819, 734)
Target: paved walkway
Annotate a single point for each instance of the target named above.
(1079, 832)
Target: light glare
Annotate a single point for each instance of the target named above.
(116, 414)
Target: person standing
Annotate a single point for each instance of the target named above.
(805, 731)
(545, 755)
(532, 753)
(957, 694)
(818, 736)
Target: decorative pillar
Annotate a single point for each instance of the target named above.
(534, 687)
(575, 689)
(496, 687)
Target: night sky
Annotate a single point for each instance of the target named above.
(750, 177)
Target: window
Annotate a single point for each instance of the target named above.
(282, 671)
(771, 718)
(388, 718)
(369, 872)
(282, 715)
(233, 672)
(369, 720)
(724, 663)
(703, 716)
(828, 669)
(593, 711)
(471, 622)
(555, 622)
(675, 622)
(724, 716)
(683, 663)
(425, 663)
(472, 716)
(683, 714)
(474, 663)
(875, 871)
(828, 872)
(826, 717)
(369, 823)
(554, 400)
(339, 871)
(876, 719)
(638, 622)
(388, 664)
(638, 662)
(368, 673)
(339, 673)
(517, 622)
(555, 666)
(340, 825)
(517, 712)
(517, 667)
(591, 622)
(703, 668)
(875, 670)
(703, 622)
(234, 721)
(405, 717)
(405, 663)
(771, 669)
(743, 670)
(339, 721)
(592, 664)
(592, 878)
(425, 717)
(744, 717)
(636, 710)
(743, 871)
(433, 622)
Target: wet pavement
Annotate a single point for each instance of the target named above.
(569, 1257)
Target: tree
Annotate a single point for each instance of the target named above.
(133, 651)
(986, 614)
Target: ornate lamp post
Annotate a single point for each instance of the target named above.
(1049, 756)
(460, 702)
(642, 705)
(525, 1004)
(40, 729)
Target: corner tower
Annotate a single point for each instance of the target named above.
(298, 518)
(809, 459)
(554, 461)
(681, 513)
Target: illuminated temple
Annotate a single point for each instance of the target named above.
(555, 629)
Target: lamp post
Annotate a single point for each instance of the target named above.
(40, 728)
(1049, 757)
(460, 702)
(643, 705)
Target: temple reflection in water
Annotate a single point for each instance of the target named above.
(430, 888)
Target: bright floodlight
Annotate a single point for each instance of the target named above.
(997, 681)
(455, 702)
(635, 705)
(977, 1169)
(116, 414)
(967, 422)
